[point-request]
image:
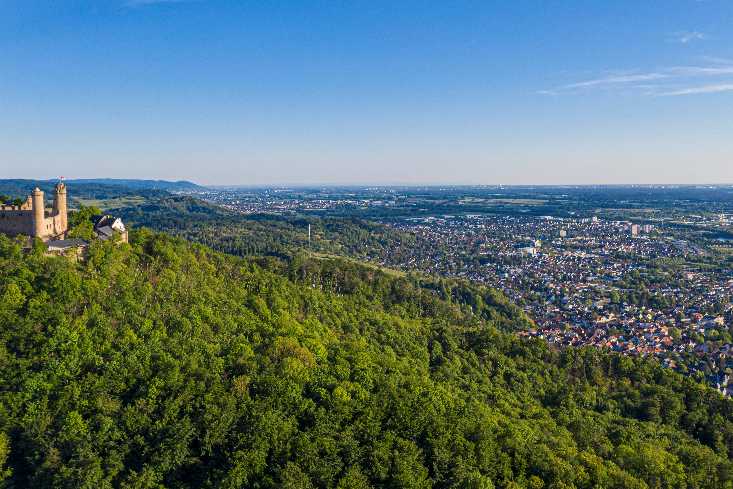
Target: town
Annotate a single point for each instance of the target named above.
(609, 284)
(661, 285)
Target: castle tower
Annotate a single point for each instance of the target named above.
(39, 213)
(59, 204)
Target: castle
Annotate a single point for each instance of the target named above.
(31, 218)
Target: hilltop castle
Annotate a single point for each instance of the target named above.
(31, 218)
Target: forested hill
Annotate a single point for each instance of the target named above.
(258, 234)
(105, 192)
(20, 189)
(87, 187)
(165, 364)
(169, 186)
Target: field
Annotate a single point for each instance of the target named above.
(112, 203)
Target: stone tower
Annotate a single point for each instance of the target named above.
(39, 213)
(31, 218)
(59, 205)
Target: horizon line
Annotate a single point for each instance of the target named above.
(376, 184)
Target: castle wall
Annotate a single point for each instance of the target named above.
(15, 222)
(55, 226)
(32, 219)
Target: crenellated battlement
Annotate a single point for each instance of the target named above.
(25, 206)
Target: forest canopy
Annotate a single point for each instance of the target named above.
(166, 364)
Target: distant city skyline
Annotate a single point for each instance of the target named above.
(224, 92)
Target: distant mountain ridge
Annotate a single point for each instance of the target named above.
(86, 190)
(172, 186)
(135, 184)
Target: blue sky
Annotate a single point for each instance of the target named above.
(225, 92)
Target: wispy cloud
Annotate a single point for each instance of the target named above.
(667, 81)
(616, 79)
(685, 37)
(722, 87)
(701, 70)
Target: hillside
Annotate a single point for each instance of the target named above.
(104, 193)
(164, 364)
(175, 211)
(257, 234)
(87, 192)
(169, 186)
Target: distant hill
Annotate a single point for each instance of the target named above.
(78, 190)
(103, 193)
(238, 234)
(93, 188)
(177, 186)
(175, 212)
